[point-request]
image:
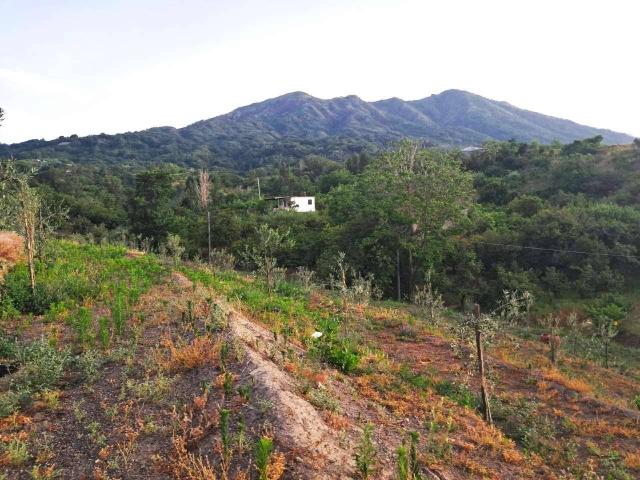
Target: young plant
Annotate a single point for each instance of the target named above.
(175, 248)
(81, 323)
(430, 302)
(119, 312)
(480, 327)
(263, 254)
(366, 453)
(305, 278)
(104, 331)
(551, 324)
(225, 434)
(263, 451)
(414, 466)
(403, 463)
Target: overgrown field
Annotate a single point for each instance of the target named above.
(128, 365)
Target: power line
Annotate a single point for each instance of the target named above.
(580, 252)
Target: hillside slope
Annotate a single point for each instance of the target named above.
(297, 124)
(191, 373)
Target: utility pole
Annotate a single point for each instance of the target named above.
(259, 195)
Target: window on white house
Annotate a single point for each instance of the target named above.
(310, 201)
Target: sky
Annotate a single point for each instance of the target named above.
(88, 66)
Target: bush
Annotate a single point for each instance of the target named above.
(41, 367)
(339, 352)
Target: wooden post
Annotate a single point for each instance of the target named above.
(209, 232)
(259, 194)
(398, 275)
(484, 392)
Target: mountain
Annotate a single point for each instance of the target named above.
(297, 124)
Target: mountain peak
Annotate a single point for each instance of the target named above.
(297, 124)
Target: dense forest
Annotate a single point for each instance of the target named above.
(556, 220)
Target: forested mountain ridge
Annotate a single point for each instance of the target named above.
(295, 125)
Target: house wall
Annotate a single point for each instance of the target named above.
(302, 204)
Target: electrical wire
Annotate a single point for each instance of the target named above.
(580, 252)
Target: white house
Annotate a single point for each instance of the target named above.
(299, 204)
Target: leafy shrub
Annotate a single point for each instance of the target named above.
(430, 302)
(339, 352)
(89, 363)
(41, 367)
(222, 259)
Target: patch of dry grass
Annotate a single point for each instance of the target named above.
(201, 351)
(575, 384)
(632, 460)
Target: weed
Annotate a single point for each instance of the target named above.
(339, 352)
(523, 423)
(153, 390)
(321, 398)
(81, 323)
(90, 362)
(16, 452)
(39, 472)
(245, 391)
(51, 398)
(415, 379)
(437, 447)
(187, 465)
(79, 412)
(96, 435)
(402, 463)
(104, 331)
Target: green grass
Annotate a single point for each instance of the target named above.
(73, 273)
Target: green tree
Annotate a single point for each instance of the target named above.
(401, 210)
(152, 209)
(269, 243)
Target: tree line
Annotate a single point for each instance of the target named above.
(510, 216)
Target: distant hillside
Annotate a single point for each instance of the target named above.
(296, 124)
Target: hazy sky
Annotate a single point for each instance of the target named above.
(89, 66)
